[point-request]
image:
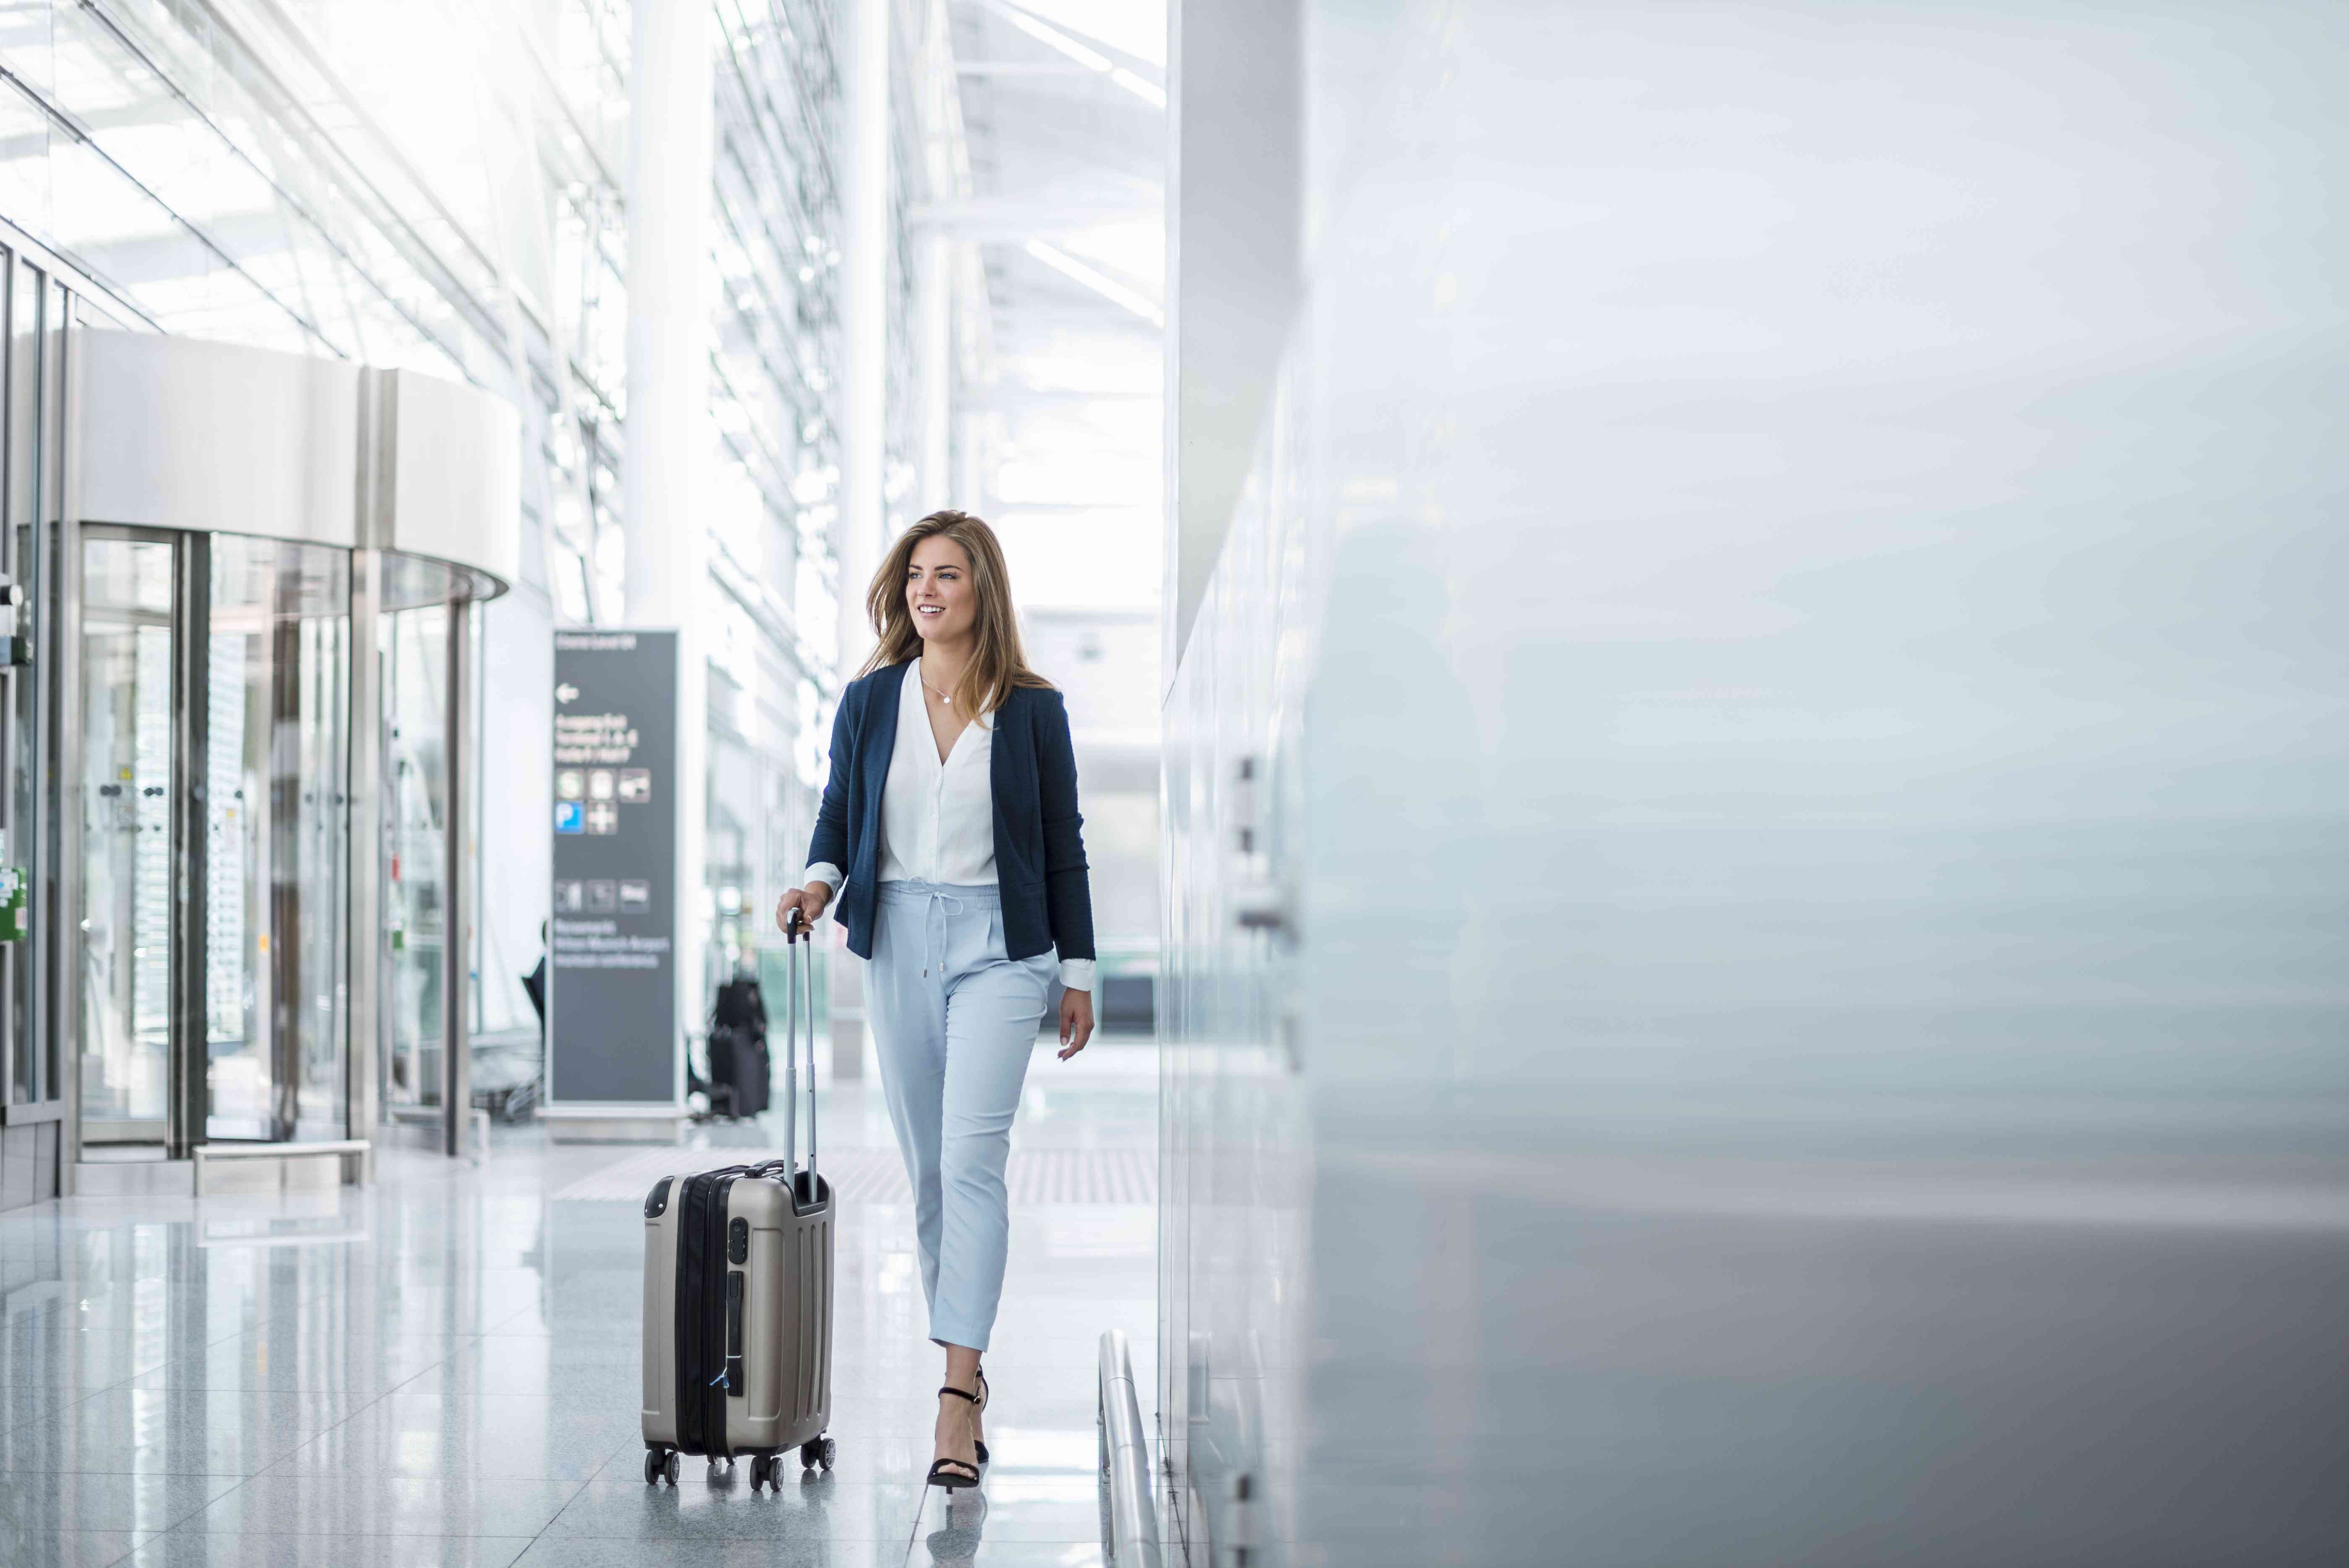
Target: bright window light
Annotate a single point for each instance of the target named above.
(1100, 282)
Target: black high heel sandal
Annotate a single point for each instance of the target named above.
(979, 1444)
(963, 1474)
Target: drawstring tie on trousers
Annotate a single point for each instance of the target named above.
(934, 931)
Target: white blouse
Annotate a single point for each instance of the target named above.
(937, 818)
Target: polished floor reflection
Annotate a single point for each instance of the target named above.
(443, 1368)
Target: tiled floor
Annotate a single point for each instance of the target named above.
(443, 1370)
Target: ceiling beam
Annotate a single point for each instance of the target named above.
(1024, 68)
(1116, 290)
(1012, 219)
(1080, 50)
(1015, 398)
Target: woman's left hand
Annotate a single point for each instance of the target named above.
(1076, 1021)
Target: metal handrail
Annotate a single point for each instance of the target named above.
(1130, 1531)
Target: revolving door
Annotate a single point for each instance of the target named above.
(213, 997)
(272, 876)
(265, 680)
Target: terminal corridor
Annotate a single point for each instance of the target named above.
(1671, 678)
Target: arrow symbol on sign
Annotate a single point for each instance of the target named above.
(566, 692)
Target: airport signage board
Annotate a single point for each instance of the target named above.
(612, 940)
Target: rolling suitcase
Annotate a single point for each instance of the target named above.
(737, 1294)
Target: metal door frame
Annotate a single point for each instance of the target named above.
(59, 961)
(51, 1090)
(452, 1129)
(457, 942)
(187, 1055)
(192, 616)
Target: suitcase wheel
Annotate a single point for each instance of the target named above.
(671, 1466)
(660, 1464)
(819, 1451)
(762, 1466)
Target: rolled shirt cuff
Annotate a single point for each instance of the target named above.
(828, 875)
(1077, 974)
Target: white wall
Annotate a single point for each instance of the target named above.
(1106, 663)
(1786, 614)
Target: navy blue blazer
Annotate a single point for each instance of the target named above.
(1039, 854)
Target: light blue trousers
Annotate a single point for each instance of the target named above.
(955, 1021)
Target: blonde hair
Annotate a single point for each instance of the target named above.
(997, 663)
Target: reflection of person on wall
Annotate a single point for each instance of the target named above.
(952, 804)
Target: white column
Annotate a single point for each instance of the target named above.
(1234, 200)
(863, 310)
(668, 433)
(936, 303)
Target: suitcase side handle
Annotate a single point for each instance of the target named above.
(731, 1376)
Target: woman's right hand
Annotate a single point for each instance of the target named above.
(808, 901)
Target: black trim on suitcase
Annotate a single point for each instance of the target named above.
(702, 1379)
(810, 1193)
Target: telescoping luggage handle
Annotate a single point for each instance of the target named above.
(799, 991)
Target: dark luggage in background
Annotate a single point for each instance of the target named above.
(738, 1296)
(740, 1002)
(740, 1075)
(739, 1072)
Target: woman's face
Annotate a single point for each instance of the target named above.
(938, 590)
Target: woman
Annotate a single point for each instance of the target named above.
(952, 804)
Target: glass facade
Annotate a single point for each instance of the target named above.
(444, 191)
(335, 178)
(775, 254)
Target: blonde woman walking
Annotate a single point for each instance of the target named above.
(949, 838)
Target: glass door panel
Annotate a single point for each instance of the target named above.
(127, 648)
(276, 839)
(415, 652)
